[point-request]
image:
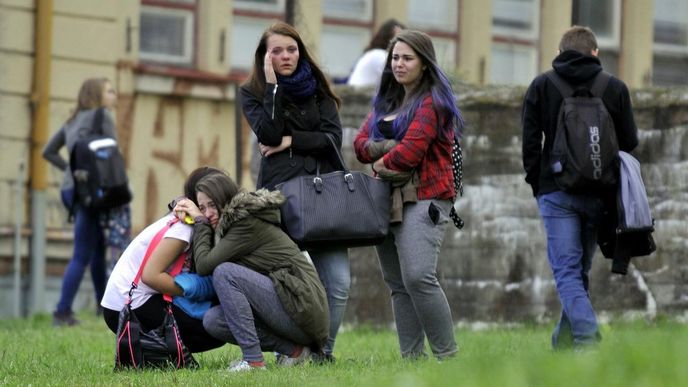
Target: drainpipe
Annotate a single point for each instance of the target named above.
(18, 221)
(40, 99)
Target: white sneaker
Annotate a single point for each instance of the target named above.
(286, 361)
(243, 366)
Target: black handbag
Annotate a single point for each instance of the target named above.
(161, 347)
(341, 208)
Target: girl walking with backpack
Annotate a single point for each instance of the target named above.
(89, 235)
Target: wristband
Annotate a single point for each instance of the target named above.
(201, 220)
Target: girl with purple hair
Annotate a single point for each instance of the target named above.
(408, 140)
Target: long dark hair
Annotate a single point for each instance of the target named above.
(197, 175)
(219, 187)
(256, 81)
(391, 95)
(190, 184)
(384, 35)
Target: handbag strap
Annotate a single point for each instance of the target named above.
(330, 139)
(176, 267)
(98, 119)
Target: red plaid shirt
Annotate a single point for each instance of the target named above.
(423, 148)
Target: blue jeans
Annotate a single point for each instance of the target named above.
(335, 274)
(89, 249)
(571, 223)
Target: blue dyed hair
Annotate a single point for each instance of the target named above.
(391, 96)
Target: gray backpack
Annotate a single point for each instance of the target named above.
(585, 153)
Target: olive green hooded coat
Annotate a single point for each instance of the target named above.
(249, 234)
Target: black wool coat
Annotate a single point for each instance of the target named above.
(276, 114)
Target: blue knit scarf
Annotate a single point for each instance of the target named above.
(301, 83)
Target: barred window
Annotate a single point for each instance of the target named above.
(166, 31)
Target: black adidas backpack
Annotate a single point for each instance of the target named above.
(585, 153)
(98, 169)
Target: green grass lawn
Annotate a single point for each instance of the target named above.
(631, 354)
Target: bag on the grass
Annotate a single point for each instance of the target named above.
(161, 347)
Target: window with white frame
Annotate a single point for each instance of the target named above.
(246, 33)
(340, 47)
(512, 64)
(272, 6)
(671, 25)
(440, 15)
(359, 10)
(516, 18)
(166, 34)
(603, 18)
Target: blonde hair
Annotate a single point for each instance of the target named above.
(90, 95)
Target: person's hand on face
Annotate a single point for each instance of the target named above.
(281, 57)
(186, 207)
(270, 76)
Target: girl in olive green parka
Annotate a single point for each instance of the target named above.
(271, 298)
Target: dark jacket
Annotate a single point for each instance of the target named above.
(541, 108)
(276, 114)
(626, 229)
(249, 234)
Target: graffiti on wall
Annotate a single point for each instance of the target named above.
(163, 140)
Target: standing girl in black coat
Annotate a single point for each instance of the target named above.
(292, 110)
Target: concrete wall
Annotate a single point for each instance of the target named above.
(495, 269)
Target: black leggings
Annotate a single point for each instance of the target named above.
(151, 315)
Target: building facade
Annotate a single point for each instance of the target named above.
(177, 65)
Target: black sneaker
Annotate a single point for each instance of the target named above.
(64, 319)
(322, 358)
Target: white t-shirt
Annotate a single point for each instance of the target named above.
(119, 283)
(368, 69)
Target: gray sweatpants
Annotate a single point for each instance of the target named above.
(250, 314)
(408, 259)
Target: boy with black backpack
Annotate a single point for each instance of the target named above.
(585, 117)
